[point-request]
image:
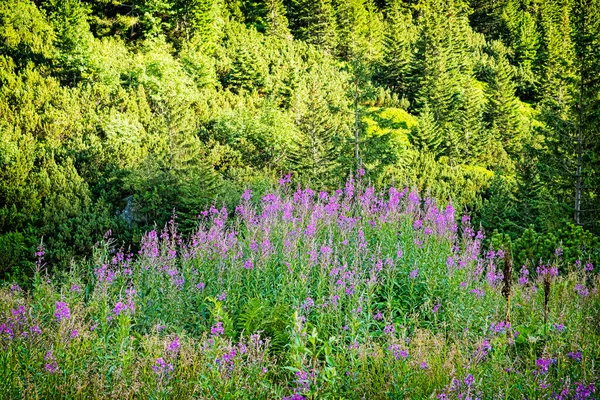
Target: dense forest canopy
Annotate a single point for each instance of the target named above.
(121, 114)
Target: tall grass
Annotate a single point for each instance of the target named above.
(350, 294)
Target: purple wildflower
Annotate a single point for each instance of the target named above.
(174, 345)
(398, 353)
(575, 356)
(543, 364)
(62, 311)
(469, 380)
(217, 329)
(389, 329)
(161, 367)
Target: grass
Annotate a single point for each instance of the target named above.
(343, 295)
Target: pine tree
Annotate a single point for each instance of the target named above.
(314, 154)
(398, 43)
(314, 22)
(503, 107)
(519, 17)
(475, 138)
(202, 20)
(427, 135)
(586, 39)
(277, 23)
(73, 38)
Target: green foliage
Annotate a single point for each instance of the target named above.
(115, 114)
(25, 34)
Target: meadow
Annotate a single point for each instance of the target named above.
(298, 294)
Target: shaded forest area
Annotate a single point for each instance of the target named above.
(118, 115)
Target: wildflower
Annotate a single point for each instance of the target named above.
(217, 329)
(249, 264)
(558, 252)
(161, 367)
(174, 345)
(285, 180)
(559, 327)
(575, 356)
(582, 290)
(583, 392)
(378, 316)
(543, 364)
(308, 303)
(119, 308)
(482, 350)
(62, 311)
(469, 380)
(398, 353)
(247, 195)
(389, 329)
(74, 334)
(423, 365)
(478, 292)
(523, 279)
(303, 380)
(200, 286)
(51, 366)
(36, 329)
(546, 271)
(222, 296)
(414, 273)
(500, 327)
(436, 308)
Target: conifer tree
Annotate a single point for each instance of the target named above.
(427, 135)
(503, 107)
(314, 154)
(398, 42)
(475, 138)
(519, 16)
(276, 21)
(586, 39)
(73, 38)
(314, 22)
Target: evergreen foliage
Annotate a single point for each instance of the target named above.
(114, 114)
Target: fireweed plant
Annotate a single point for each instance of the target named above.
(306, 295)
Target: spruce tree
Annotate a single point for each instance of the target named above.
(314, 22)
(503, 106)
(276, 21)
(398, 43)
(315, 151)
(427, 135)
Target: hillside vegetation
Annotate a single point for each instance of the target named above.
(306, 295)
(116, 115)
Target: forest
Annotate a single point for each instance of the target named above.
(120, 114)
(300, 199)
